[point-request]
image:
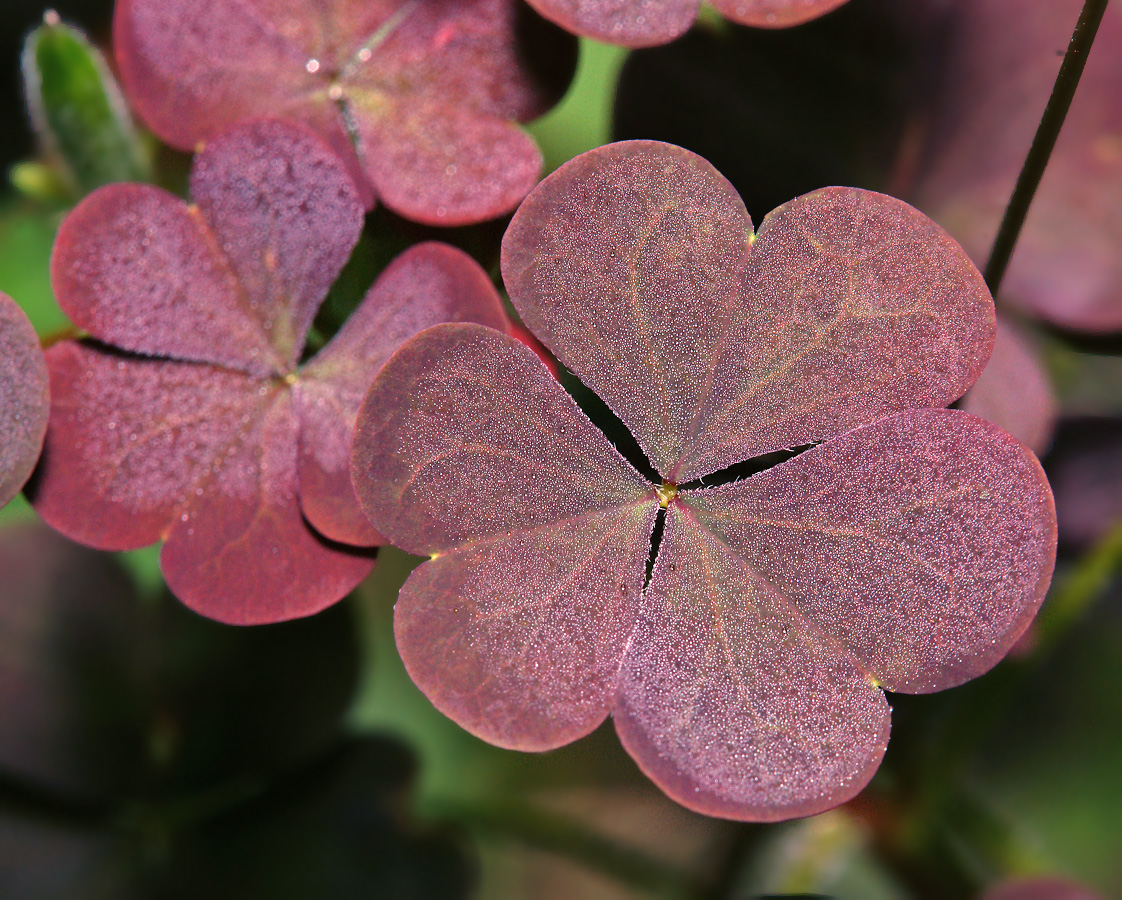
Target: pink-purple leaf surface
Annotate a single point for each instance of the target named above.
(24, 401)
(421, 98)
(908, 551)
(188, 418)
(647, 23)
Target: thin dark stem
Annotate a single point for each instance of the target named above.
(1044, 141)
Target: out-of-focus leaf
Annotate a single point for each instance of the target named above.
(24, 399)
(1013, 390)
(1040, 889)
(26, 237)
(1085, 468)
(78, 111)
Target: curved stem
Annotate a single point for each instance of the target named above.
(1044, 141)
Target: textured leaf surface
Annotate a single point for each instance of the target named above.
(143, 450)
(910, 551)
(921, 544)
(712, 348)
(466, 435)
(429, 90)
(631, 23)
(428, 284)
(214, 441)
(999, 72)
(1013, 390)
(519, 637)
(729, 702)
(775, 13)
(24, 400)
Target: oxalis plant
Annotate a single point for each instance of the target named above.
(719, 482)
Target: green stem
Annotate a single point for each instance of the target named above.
(1079, 588)
(1044, 141)
(555, 834)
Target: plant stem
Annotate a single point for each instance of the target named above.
(1044, 141)
(556, 834)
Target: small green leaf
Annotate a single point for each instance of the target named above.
(78, 111)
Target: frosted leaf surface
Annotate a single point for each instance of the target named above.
(213, 440)
(647, 23)
(24, 401)
(428, 91)
(518, 637)
(427, 284)
(729, 702)
(923, 544)
(774, 13)
(635, 264)
(465, 434)
(630, 23)
(909, 550)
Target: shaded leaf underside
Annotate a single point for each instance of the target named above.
(429, 92)
(744, 679)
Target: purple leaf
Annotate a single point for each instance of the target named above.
(714, 345)
(647, 23)
(908, 552)
(425, 285)
(205, 435)
(730, 702)
(1013, 390)
(631, 23)
(1083, 467)
(430, 92)
(921, 544)
(998, 72)
(775, 13)
(24, 400)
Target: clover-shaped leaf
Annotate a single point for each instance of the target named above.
(190, 418)
(429, 92)
(647, 23)
(908, 551)
(24, 402)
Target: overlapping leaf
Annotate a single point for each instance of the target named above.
(420, 98)
(646, 23)
(908, 551)
(190, 420)
(24, 400)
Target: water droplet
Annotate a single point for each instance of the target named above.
(312, 66)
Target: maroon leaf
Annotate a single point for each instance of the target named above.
(836, 314)
(430, 92)
(24, 400)
(730, 702)
(545, 548)
(998, 71)
(909, 552)
(921, 544)
(775, 13)
(425, 285)
(631, 23)
(647, 23)
(209, 440)
(1013, 390)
